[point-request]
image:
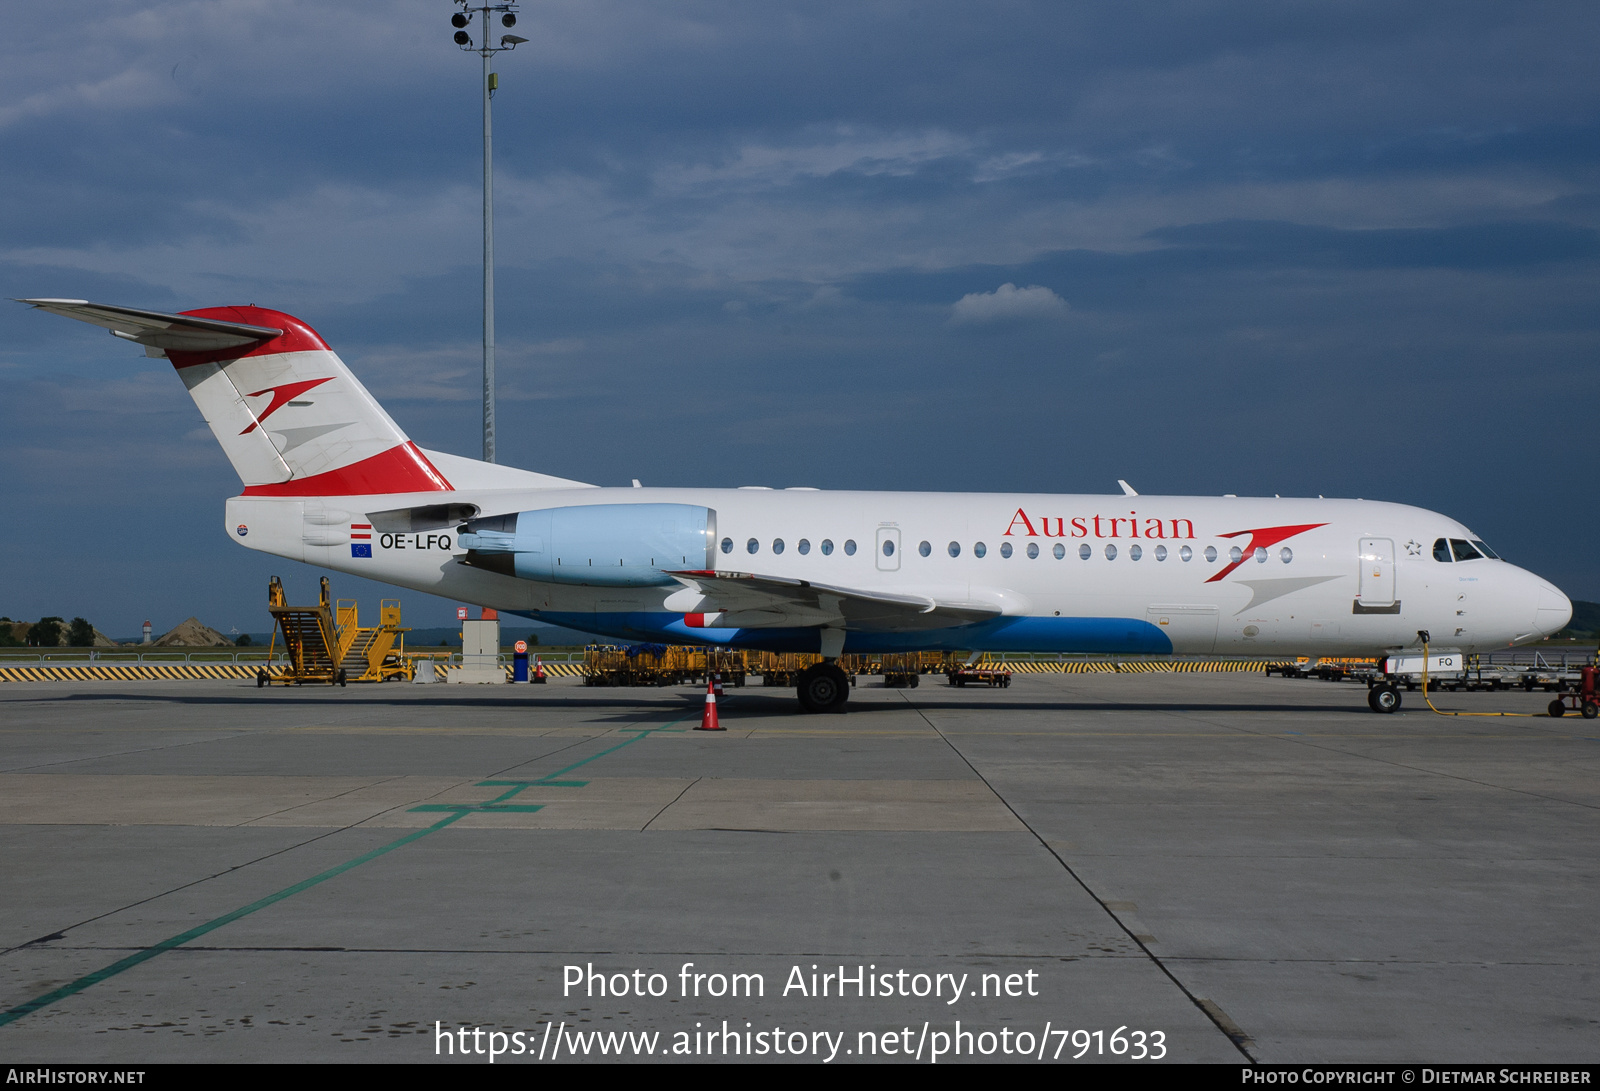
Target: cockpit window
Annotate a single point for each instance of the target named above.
(1464, 550)
(1485, 550)
(1441, 550)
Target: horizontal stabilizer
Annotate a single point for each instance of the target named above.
(807, 603)
(158, 330)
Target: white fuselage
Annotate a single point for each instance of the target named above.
(1313, 576)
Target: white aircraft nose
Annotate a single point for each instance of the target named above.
(1553, 612)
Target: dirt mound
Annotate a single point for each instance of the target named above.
(20, 629)
(192, 634)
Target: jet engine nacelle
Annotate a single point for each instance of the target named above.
(606, 545)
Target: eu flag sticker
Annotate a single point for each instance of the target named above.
(362, 550)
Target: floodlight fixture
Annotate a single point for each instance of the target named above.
(486, 50)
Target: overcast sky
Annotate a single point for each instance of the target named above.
(1334, 248)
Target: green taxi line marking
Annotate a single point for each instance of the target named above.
(455, 812)
(478, 808)
(74, 987)
(642, 732)
(531, 783)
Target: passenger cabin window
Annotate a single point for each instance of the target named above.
(954, 549)
(752, 545)
(727, 545)
(1234, 554)
(849, 547)
(1211, 554)
(1285, 554)
(804, 546)
(1135, 552)
(1464, 551)
(1111, 552)
(1186, 553)
(1060, 551)
(827, 547)
(1033, 550)
(924, 548)
(1161, 553)
(979, 549)
(777, 545)
(1441, 550)
(1084, 552)
(888, 547)
(1005, 549)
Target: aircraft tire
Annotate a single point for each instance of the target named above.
(822, 687)
(1383, 699)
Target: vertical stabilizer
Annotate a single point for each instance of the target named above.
(292, 418)
(289, 415)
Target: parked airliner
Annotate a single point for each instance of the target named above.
(331, 480)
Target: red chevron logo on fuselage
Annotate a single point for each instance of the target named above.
(281, 395)
(1262, 538)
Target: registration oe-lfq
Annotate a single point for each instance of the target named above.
(331, 480)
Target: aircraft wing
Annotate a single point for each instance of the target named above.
(155, 329)
(747, 599)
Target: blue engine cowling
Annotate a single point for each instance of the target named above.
(605, 545)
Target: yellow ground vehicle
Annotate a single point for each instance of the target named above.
(326, 643)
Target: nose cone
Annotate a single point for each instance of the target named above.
(1554, 610)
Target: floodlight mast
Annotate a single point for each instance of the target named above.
(461, 20)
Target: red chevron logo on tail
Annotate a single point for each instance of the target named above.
(281, 395)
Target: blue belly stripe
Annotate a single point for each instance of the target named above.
(1119, 635)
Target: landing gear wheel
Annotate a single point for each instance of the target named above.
(1557, 708)
(1383, 699)
(822, 687)
(1590, 710)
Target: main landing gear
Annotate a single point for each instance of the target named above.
(823, 687)
(1384, 697)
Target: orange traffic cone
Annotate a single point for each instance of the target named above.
(708, 718)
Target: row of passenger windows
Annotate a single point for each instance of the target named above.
(979, 549)
(803, 546)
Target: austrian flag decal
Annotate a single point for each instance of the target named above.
(360, 539)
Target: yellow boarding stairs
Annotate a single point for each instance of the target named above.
(326, 643)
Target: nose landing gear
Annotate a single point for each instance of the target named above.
(1383, 697)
